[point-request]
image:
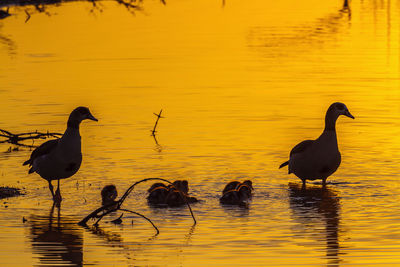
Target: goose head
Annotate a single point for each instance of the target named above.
(334, 111)
(249, 184)
(181, 185)
(340, 109)
(78, 115)
(82, 113)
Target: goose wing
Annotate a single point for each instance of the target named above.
(301, 147)
(298, 149)
(43, 149)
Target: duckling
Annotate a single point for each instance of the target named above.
(157, 193)
(171, 195)
(60, 158)
(320, 158)
(231, 186)
(108, 194)
(178, 193)
(239, 195)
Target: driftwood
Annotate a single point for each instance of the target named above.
(16, 139)
(109, 208)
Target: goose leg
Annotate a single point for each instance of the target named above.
(51, 188)
(57, 197)
(323, 182)
(304, 184)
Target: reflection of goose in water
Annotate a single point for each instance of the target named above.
(310, 206)
(57, 240)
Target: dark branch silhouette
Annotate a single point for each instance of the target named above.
(16, 139)
(40, 6)
(153, 132)
(115, 206)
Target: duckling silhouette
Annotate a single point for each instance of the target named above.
(175, 194)
(108, 194)
(237, 193)
(320, 158)
(157, 193)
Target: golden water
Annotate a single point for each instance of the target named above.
(240, 85)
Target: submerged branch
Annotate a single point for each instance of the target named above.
(99, 213)
(144, 217)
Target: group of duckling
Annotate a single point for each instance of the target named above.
(309, 160)
(177, 194)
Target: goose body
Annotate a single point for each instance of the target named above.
(60, 158)
(320, 158)
(64, 157)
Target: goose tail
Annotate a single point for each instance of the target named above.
(284, 164)
(26, 162)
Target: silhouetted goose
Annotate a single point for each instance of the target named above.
(60, 158)
(318, 159)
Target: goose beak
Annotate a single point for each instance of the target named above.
(91, 117)
(348, 114)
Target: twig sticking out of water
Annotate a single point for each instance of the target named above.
(28, 16)
(153, 132)
(15, 139)
(346, 8)
(128, 4)
(109, 208)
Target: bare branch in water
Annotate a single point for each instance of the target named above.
(111, 207)
(144, 217)
(28, 16)
(15, 139)
(153, 132)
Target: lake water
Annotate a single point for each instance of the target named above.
(240, 83)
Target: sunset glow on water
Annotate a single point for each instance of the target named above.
(240, 83)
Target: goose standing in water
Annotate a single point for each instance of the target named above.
(320, 158)
(60, 158)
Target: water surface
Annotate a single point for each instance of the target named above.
(240, 84)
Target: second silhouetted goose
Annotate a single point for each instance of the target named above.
(320, 158)
(60, 158)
